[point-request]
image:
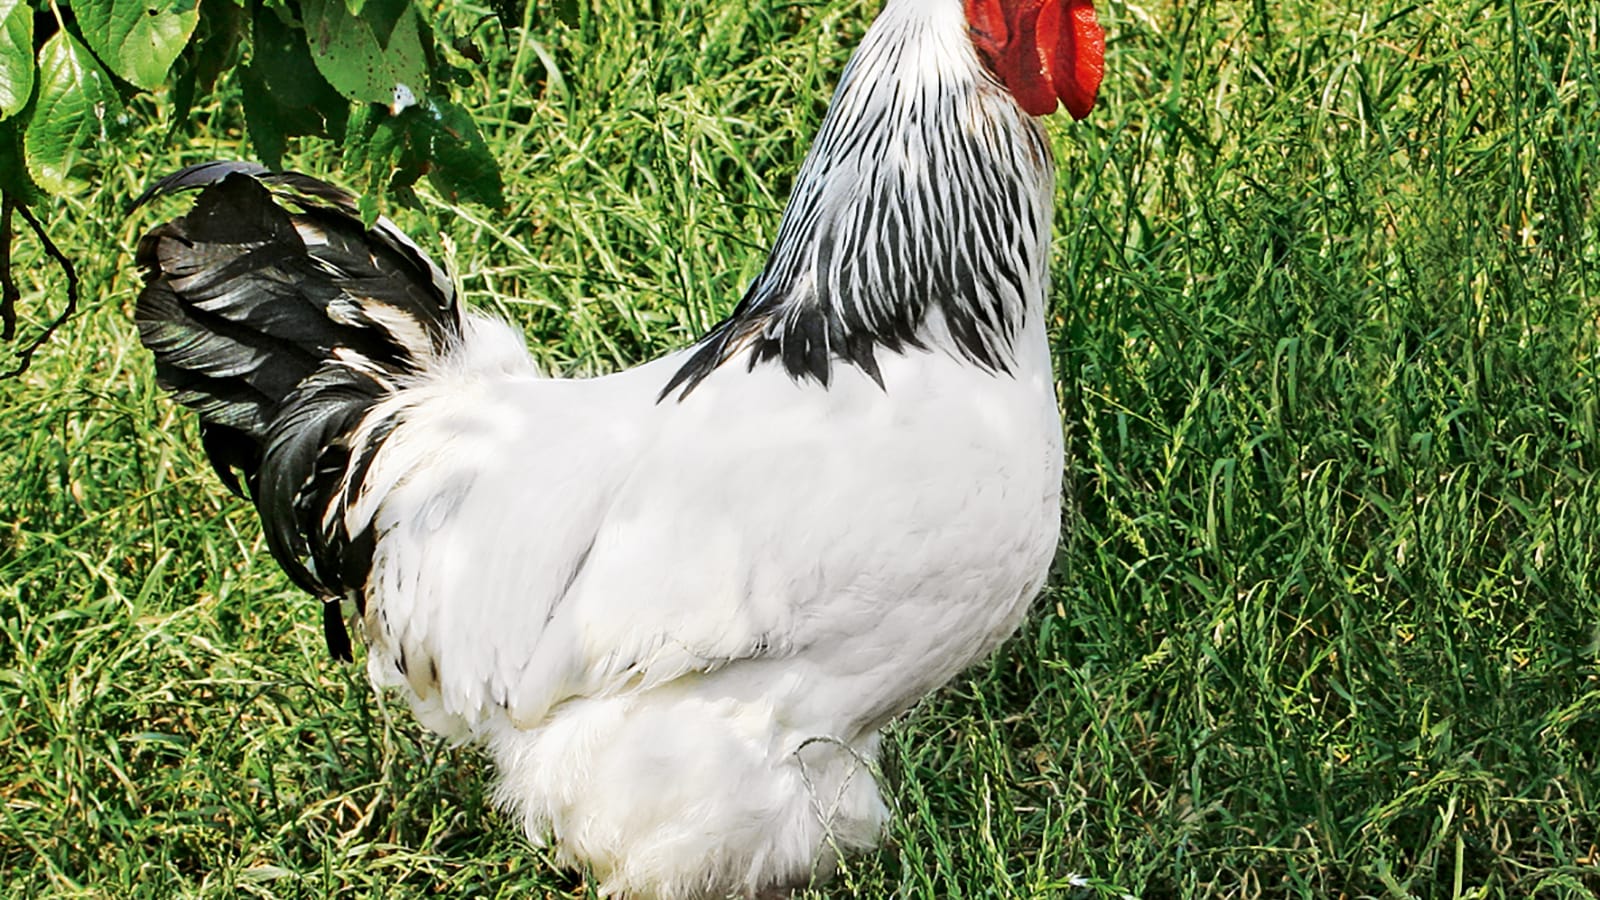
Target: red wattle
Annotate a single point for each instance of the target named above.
(1080, 59)
(1027, 58)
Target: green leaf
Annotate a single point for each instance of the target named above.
(358, 137)
(14, 180)
(436, 139)
(138, 39)
(77, 110)
(16, 56)
(213, 49)
(283, 62)
(283, 93)
(460, 165)
(372, 147)
(264, 119)
(366, 58)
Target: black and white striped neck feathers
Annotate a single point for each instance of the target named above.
(920, 219)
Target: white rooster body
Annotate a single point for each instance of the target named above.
(677, 603)
(692, 613)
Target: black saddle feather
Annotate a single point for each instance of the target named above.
(281, 320)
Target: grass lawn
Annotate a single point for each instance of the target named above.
(1327, 620)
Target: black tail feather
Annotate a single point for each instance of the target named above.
(282, 320)
(197, 176)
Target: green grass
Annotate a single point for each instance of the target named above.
(1327, 622)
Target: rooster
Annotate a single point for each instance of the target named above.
(675, 604)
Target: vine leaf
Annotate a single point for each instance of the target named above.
(462, 166)
(284, 94)
(138, 39)
(367, 58)
(434, 138)
(212, 50)
(16, 56)
(77, 109)
(14, 181)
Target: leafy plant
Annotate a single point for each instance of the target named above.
(371, 73)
